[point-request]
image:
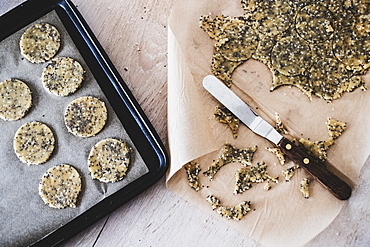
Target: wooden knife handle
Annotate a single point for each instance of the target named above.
(299, 155)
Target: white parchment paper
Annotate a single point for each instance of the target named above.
(280, 216)
(24, 216)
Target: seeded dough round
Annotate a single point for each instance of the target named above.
(291, 56)
(272, 17)
(315, 23)
(40, 43)
(239, 47)
(60, 186)
(34, 143)
(63, 76)
(15, 99)
(353, 50)
(329, 78)
(85, 116)
(109, 160)
(223, 68)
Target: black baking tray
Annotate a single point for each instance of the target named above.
(132, 117)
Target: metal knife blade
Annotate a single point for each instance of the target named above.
(240, 109)
(297, 154)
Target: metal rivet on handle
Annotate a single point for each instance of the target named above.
(288, 146)
(306, 160)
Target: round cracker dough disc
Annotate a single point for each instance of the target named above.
(63, 76)
(109, 160)
(272, 17)
(60, 186)
(291, 56)
(85, 116)
(15, 99)
(315, 23)
(353, 50)
(34, 143)
(40, 43)
(239, 47)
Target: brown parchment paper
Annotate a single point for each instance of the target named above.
(280, 216)
(24, 216)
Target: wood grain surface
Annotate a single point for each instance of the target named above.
(134, 35)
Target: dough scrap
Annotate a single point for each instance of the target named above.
(15, 99)
(246, 176)
(278, 153)
(60, 186)
(223, 68)
(305, 187)
(221, 27)
(63, 76)
(86, 116)
(335, 128)
(192, 172)
(225, 116)
(322, 48)
(238, 47)
(109, 160)
(289, 173)
(236, 213)
(34, 143)
(40, 42)
(228, 155)
(279, 125)
(318, 148)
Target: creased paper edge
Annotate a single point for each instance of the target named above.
(188, 120)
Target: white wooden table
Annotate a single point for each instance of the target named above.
(134, 34)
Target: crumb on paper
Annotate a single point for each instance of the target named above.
(279, 125)
(236, 213)
(319, 148)
(230, 154)
(335, 128)
(305, 187)
(192, 170)
(246, 176)
(267, 186)
(225, 116)
(278, 153)
(289, 173)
